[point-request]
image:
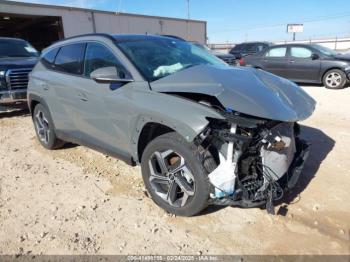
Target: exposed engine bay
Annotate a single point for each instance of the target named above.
(256, 160)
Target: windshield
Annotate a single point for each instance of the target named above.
(202, 46)
(16, 48)
(159, 57)
(325, 50)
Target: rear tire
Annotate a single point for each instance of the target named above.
(334, 79)
(184, 192)
(44, 128)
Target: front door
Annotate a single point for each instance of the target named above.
(105, 108)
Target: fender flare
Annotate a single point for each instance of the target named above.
(182, 128)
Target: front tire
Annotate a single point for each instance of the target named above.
(174, 175)
(44, 128)
(334, 79)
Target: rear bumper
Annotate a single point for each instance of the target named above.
(13, 96)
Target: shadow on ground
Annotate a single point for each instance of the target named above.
(8, 112)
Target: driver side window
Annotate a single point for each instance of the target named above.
(98, 56)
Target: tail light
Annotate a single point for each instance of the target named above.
(241, 62)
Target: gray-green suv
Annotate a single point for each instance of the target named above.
(203, 132)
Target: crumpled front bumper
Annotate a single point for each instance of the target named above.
(287, 182)
(290, 179)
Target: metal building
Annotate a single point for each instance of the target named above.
(43, 24)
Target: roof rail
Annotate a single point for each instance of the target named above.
(91, 34)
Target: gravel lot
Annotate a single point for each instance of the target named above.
(77, 201)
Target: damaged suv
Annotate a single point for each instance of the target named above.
(203, 132)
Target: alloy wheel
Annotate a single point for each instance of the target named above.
(333, 79)
(42, 127)
(171, 178)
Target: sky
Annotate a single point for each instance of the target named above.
(240, 20)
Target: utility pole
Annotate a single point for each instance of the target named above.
(188, 9)
(188, 19)
(119, 6)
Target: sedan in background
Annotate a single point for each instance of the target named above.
(244, 49)
(303, 63)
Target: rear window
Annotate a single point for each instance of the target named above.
(251, 48)
(237, 48)
(70, 59)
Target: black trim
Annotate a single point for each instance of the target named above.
(128, 159)
(31, 98)
(67, 138)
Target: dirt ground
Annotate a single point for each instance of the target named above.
(77, 201)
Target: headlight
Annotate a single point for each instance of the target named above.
(2, 73)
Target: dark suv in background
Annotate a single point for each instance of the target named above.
(227, 58)
(244, 49)
(17, 59)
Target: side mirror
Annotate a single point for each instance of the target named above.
(109, 75)
(315, 56)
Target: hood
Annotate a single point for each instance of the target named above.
(345, 57)
(245, 90)
(17, 62)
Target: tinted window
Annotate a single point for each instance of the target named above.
(70, 59)
(300, 52)
(98, 56)
(260, 47)
(277, 52)
(251, 48)
(48, 58)
(237, 48)
(16, 48)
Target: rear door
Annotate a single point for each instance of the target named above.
(63, 78)
(275, 60)
(302, 68)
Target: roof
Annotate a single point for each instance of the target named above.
(94, 10)
(115, 38)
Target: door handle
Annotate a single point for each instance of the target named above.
(82, 97)
(44, 86)
(291, 61)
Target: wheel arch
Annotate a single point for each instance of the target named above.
(148, 128)
(333, 68)
(33, 100)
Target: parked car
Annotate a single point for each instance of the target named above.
(241, 50)
(227, 58)
(17, 59)
(202, 131)
(304, 63)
